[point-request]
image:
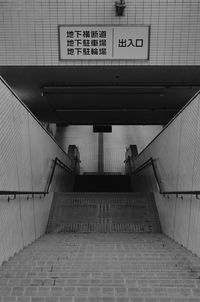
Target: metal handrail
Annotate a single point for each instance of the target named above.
(150, 161)
(57, 161)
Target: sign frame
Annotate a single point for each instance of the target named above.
(101, 58)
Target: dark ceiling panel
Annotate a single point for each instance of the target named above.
(104, 94)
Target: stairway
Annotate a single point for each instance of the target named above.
(103, 268)
(102, 183)
(103, 212)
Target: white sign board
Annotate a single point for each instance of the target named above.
(103, 42)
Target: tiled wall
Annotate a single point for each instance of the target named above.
(115, 144)
(87, 142)
(26, 154)
(29, 29)
(177, 155)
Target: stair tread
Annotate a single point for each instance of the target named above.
(103, 212)
(103, 267)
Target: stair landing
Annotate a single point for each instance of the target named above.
(103, 213)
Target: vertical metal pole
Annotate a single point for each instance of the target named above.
(100, 154)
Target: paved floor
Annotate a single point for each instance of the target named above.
(101, 268)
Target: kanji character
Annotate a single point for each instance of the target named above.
(122, 42)
(78, 33)
(102, 42)
(78, 42)
(94, 42)
(86, 51)
(70, 34)
(78, 50)
(70, 51)
(102, 51)
(86, 42)
(139, 42)
(102, 34)
(86, 33)
(70, 43)
(94, 51)
(94, 34)
(130, 43)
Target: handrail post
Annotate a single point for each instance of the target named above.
(130, 155)
(150, 161)
(159, 182)
(32, 193)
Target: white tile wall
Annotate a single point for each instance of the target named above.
(27, 220)
(22, 145)
(165, 151)
(166, 208)
(7, 137)
(36, 155)
(196, 166)
(176, 150)
(194, 230)
(87, 142)
(29, 29)
(26, 152)
(115, 144)
(10, 229)
(188, 136)
(182, 220)
(42, 208)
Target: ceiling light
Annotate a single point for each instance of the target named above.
(104, 89)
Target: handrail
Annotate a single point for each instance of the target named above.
(150, 161)
(57, 161)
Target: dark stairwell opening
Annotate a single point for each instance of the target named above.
(102, 183)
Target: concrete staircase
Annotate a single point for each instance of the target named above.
(103, 213)
(101, 268)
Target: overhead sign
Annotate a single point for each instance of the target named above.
(103, 42)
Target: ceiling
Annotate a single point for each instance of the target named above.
(115, 95)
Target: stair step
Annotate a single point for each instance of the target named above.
(103, 228)
(101, 267)
(103, 212)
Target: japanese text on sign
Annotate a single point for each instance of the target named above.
(86, 42)
(103, 42)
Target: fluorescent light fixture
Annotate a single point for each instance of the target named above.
(116, 109)
(126, 89)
